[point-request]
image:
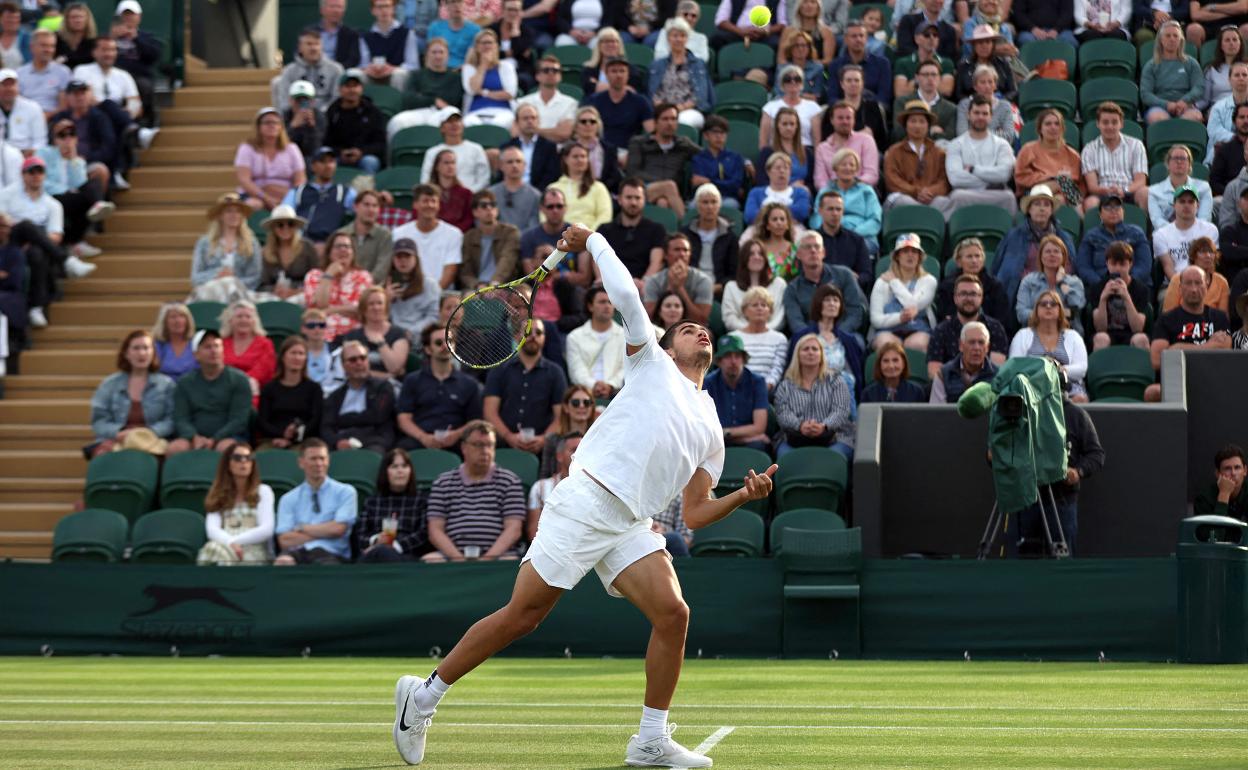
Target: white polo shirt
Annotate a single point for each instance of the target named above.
(24, 126)
(44, 211)
(117, 85)
(549, 114)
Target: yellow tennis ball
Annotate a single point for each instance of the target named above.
(760, 16)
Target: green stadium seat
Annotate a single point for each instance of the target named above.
(1207, 50)
(987, 223)
(918, 367)
(801, 518)
(523, 464)
(1163, 135)
(1129, 128)
(357, 467)
(823, 566)
(1158, 172)
(740, 100)
(716, 320)
(123, 481)
(1028, 133)
(1131, 214)
(1122, 92)
(388, 100)
(663, 216)
(738, 534)
(431, 463)
(167, 536)
(90, 535)
(738, 462)
(1037, 52)
(399, 180)
(489, 137)
(736, 58)
(1121, 371)
(1068, 219)
(345, 175)
(927, 222)
(1106, 58)
(256, 223)
(689, 132)
(573, 90)
(639, 55)
(408, 146)
(811, 477)
(1041, 93)
(186, 478)
(743, 138)
(279, 468)
(280, 319)
(207, 314)
(571, 57)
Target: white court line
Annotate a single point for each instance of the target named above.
(713, 739)
(630, 725)
(720, 706)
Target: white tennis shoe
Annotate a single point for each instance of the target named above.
(410, 725)
(663, 752)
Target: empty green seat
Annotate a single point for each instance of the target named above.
(802, 518)
(408, 146)
(928, 223)
(740, 533)
(811, 477)
(1040, 93)
(1106, 58)
(167, 536)
(279, 468)
(123, 481)
(573, 90)
(523, 464)
(822, 571)
(399, 181)
(639, 55)
(663, 216)
(735, 58)
(280, 319)
(207, 314)
(489, 137)
(1121, 371)
(570, 56)
(1122, 92)
(90, 535)
(431, 463)
(387, 99)
(743, 138)
(988, 223)
(1167, 133)
(186, 479)
(357, 467)
(740, 100)
(738, 462)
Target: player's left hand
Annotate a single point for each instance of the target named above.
(574, 237)
(757, 486)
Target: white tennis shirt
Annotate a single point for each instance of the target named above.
(658, 430)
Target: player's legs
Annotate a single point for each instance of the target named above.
(651, 585)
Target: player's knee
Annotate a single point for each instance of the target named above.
(674, 617)
(522, 621)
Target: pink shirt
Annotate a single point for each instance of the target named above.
(861, 142)
(280, 169)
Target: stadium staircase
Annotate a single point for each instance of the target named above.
(45, 414)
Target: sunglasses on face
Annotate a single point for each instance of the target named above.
(1047, 303)
(549, 70)
(580, 402)
(790, 79)
(314, 324)
(588, 122)
(64, 134)
(240, 458)
(34, 170)
(282, 225)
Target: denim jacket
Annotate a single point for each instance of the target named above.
(111, 404)
(699, 79)
(207, 262)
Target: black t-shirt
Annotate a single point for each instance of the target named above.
(374, 355)
(1116, 322)
(1180, 326)
(633, 244)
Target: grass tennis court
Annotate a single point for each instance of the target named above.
(258, 713)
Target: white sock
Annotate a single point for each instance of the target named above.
(427, 696)
(653, 724)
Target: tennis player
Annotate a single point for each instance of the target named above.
(659, 435)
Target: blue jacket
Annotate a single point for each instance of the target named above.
(800, 207)
(207, 262)
(863, 213)
(1090, 260)
(726, 172)
(110, 405)
(877, 76)
(1007, 266)
(699, 78)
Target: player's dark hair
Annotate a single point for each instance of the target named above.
(669, 336)
(1228, 452)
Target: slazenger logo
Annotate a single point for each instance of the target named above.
(189, 614)
(170, 596)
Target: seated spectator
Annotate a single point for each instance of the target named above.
(1233, 239)
(1039, 20)
(438, 244)
(625, 113)
(137, 397)
(42, 79)
(983, 42)
(305, 124)
(1204, 254)
(970, 366)
(1019, 251)
(926, 40)
(693, 286)
(844, 137)
(720, 166)
(1171, 83)
(669, 309)
(1228, 156)
(578, 413)
(1119, 315)
(337, 289)
(321, 202)
(814, 406)
(576, 269)
(314, 519)
(96, 139)
(1161, 195)
(1172, 243)
(607, 46)
(1230, 93)
(13, 290)
(455, 28)
(603, 156)
(689, 11)
(226, 263)
(587, 199)
(843, 246)
(359, 414)
(842, 352)
(491, 83)
(779, 190)
(968, 297)
(875, 69)
(387, 343)
(75, 39)
(791, 82)
(1228, 208)
(391, 48)
(928, 13)
(902, 296)
(859, 205)
(211, 404)
(455, 202)
(290, 404)
(1226, 495)
(341, 43)
(373, 243)
(491, 248)
(392, 525)
(979, 164)
(438, 400)
(286, 258)
(595, 350)
(902, 164)
(476, 511)
(815, 272)
(753, 270)
(471, 161)
(1096, 21)
(740, 395)
(541, 155)
(927, 88)
(868, 112)
(796, 49)
(239, 519)
(26, 128)
(766, 347)
(556, 110)
(268, 165)
(776, 229)
(565, 446)
(1049, 334)
(968, 256)
(1114, 163)
(712, 237)
(823, 28)
(786, 140)
(984, 83)
(638, 241)
(518, 201)
(79, 187)
(1051, 275)
(892, 383)
(247, 349)
(354, 128)
(660, 158)
(172, 335)
(522, 396)
(1091, 261)
(431, 92)
(1048, 160)
(324, 363)
(681, 78)
(1192, 324)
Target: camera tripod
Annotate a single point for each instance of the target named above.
(1055, 547)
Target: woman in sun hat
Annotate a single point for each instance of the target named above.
(226, 261)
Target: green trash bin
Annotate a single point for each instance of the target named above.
(1213, 590)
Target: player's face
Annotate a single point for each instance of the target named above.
(691, 346)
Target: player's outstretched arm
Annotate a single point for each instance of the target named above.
(701, 508)
(615, 279)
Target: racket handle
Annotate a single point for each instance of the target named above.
(553, 260)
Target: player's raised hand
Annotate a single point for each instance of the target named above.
(573, 240)
(757, 486)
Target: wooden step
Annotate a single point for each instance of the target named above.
(222, 133)
(234, 95)
(160, 177)
(203, 196)
(44, 463)
(81, 361)
(139, 314)
(177, 155)
(26, 545)
(129, 288)
(50, 386)
(144, 219)
(142, 265)
(79, 336)
(230, 76)
(199, 116)
(27, 436)
(126, 243)
(36, 503)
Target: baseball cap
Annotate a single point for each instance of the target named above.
(34, 161)
(302, 88)
(405, 245)
(77, 85)
(352, 74)
(1111, 198)
(1185, 189)
(201, 335)
(924, 26)
(613, 61)
(7, 74)
(322, 151)
(129, 6)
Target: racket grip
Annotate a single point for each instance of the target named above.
(553, 260)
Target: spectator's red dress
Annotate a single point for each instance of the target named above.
(257, 361)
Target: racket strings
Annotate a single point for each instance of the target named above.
(488, 328)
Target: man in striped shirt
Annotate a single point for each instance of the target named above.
(1114, 163)
(476, 511)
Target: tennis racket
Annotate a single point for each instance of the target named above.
(491, 324)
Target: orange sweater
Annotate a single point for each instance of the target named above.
(1037, 164)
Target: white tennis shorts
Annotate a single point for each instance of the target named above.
(584, 527)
